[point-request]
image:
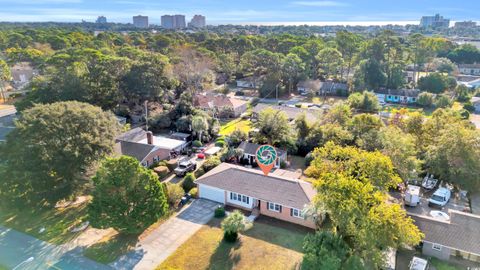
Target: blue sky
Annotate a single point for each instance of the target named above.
(241, 11)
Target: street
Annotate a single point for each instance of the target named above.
(17, 249)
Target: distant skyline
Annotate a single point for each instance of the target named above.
(268, 12)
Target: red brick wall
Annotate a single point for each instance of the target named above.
(285, 215)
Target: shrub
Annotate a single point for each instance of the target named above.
(174, 193)
(469, 107)
(220, 143)
(197, 143)
(219, 212)
(298, 105)
(188, 182)
(425, 99)
(162, 171)
(239, 93)
(283, 164)
(171, 164)
(443, 101)
(230, 237)
(211, 163)
(199, 172)
(465, 114)
(308, 159)
(193, 192)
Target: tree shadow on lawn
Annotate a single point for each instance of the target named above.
(111, 249)
(222, 258)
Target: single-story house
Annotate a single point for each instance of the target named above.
(470, 69)
(146, 147)
(308, 86)
(459, 236)
(219, 104)
(250, 151)
(292, 112)
(405, 96)
(476, 103)
(333, 88)
(249, 189)
(250, 82)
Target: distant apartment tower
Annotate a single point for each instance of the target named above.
(101, 19)
(140, 21)
(173, 21)
(466, 24)
(198, 21)
(436, 21)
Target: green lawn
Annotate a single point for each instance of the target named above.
(229, 127)
(57, 222)
(267, 245)
(442, 265)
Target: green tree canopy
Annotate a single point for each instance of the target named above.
(127, 196)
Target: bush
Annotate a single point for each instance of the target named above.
(298, 105)
(193, 192)
(188, 182)
(197, 143)
(465, 114)
(162, 171)
(308, 159)
(239, 93)
(171, 164)
(219, 212)
(211, 163)
(425, 99)
(443, 101)
(230, 237)
(220, 143)
(469, 107)
(199, 172)
(283, 164)
(174, 193)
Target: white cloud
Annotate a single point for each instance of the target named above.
(319, 3)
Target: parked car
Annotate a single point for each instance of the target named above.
(440, 197)
(418, 264)
(185, 166)
(412, 195)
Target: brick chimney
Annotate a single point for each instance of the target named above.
(149, 137)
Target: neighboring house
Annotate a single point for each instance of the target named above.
(249, 189)
(291, 112)
(221, 105)
(309, 86)
(250, 150)
(472, 84)
(476, 103)
(146, 147)
(469, 69)
(329, 88)
(22, 74)
(458, 237)
(250, 82)
(405, 96)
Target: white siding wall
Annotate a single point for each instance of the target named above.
(248, 205)
(211, 193)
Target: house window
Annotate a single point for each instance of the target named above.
(239, 198)
(296, 213)
(274, 207)
(437, 247)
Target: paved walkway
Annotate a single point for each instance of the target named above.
(162, 242)
(19, 248)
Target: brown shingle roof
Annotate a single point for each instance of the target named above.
(251, 182)
(461, 233)
(210, 101)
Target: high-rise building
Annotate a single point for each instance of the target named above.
(466, 24)
(167, 21)
(436, 21)
(140, 21)
(101, 19)
(173, 21)
(198, 21)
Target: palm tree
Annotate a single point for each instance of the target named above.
(199, 125)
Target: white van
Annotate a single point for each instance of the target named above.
(440, 197)
(412, 195)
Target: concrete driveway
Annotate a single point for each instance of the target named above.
(162, 242)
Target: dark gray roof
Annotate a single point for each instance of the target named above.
(292, 112)
(251, 148)
(252, 182)
(461, 233)
(133, 135)
(333, 86)
(136, 150)
(399, 92)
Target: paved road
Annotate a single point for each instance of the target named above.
(17, 247)
(162, 242)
